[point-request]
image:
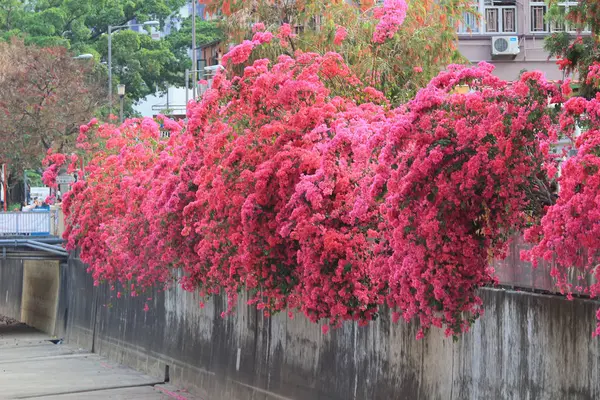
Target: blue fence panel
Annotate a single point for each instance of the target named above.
(34, 223)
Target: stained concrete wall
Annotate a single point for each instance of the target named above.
(41, 285)
(34, 291)
(11, 287)
(527, 346)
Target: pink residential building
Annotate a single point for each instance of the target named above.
(510, 34)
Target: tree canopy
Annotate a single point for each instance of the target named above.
(142, 64)
(44, 96)
(576, 46)
(398, 66)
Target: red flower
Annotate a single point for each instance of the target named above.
(340, 35)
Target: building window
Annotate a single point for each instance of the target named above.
(556, 26)
(500, 16)
(538, 18)
(563, 26)
(540, 23)
(509, 20)
(165, 134)
(491, 20)
(315, 23)
(469, 23)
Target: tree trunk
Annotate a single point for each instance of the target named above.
(15, 190)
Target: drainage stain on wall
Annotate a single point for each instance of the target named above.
(41, 284)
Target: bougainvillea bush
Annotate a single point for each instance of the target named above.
(568, 235)
(457, 170)
(336, 205)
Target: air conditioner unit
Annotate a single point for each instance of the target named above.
(505, 45)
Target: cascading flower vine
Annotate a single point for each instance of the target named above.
(457, 171)
(336, 205)
(568, 236)
(337, 227)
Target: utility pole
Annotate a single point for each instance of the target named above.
(5, 186)
(25, 186)
(194, 55)
(187, 88)
(121, 92)
(109, 70)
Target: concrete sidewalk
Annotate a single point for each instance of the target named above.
(33, 367)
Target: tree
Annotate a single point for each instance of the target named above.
(78, 22)
(398, 66)
(44, 96)
(142, 64)
(206, 32)
(577, 54)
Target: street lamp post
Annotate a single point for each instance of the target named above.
(111, 29)
(194, 51)
(121, 92)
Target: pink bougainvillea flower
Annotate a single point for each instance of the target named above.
(262, 37)
(258, 27)
(593, 75)
(392, 16)
(286, 32)
(340, 35)
(240, 53)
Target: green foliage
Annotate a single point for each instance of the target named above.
(206, 32)
(142, 64)
(576, 53)
(34, 178)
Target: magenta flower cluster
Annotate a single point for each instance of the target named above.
(335, 206)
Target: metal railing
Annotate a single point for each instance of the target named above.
(170, 109)
(32, 223)
(513, 272)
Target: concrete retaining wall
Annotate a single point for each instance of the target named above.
(11, 287)
(527, 346)
(41, 288)
(34, 291)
